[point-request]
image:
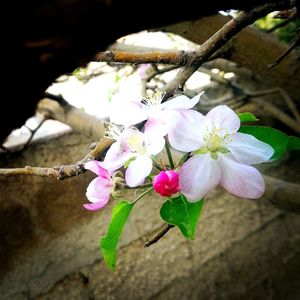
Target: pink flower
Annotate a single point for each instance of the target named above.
(221, 155)
(133, 149)
(159, 116)
(166, 183)
(100, 188)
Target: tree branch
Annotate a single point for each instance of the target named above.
(220, 38)
(66, 113)
(61, 172)
(159, 57)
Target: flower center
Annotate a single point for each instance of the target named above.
(154, 100)
(135, 143)
(215, 141)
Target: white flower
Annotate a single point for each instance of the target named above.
(221, 155)
(133, 149)
(159, 115)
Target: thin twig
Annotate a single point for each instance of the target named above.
(158, 57)
(220, 38)
(32, 133)
(157, 237)
(61, 172)
(293, 45)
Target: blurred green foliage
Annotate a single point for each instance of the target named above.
(285, 33)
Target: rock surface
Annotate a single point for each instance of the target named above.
(49, 243)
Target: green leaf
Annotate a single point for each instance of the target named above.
(183, 214)
(293, 143)
(247, 117)
(108, 243)
(275, 138)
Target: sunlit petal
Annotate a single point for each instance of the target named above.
(127, 113)
(225, 118)
(248, 150)
(180, 102)
(240, 180)
(138, 170)
(186, 130)
(198, 176)
(154, 145)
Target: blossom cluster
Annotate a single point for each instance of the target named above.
(214, 152)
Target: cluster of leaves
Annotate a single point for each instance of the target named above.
(177, 210)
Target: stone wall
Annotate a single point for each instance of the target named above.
(49, 244)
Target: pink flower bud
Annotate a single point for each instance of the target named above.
(166, 183)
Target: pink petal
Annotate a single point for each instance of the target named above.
(96, 205)
(99, 189)
(95, 166)
(156, 127)
(248, 150)
(240, 180)
(186, 133)
(180, 102)
(115, 158)
(138, 170)
(198, 176)
(127, 113)
(224, 117)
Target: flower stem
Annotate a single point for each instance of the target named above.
(143, 186)
(167, 146)
(142, 195)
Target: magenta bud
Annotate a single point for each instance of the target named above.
(166, 183)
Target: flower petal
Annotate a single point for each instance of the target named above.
(248, 150)
(225, 118)
(180, 102)
(198, 176)
(156, 127)
(186, 131)
(99, 189)
(95, 166)
(138, 170)
(127, 113)
(240, 180)
(96, 205)
(115, 157)
(154, 144)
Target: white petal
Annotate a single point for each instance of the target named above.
(138, 170)
(198, 176)
(248, 150)
(180, 102)
(186, 130)
(225, 118)
(127, 113)
(154, 144)
(240, 180)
